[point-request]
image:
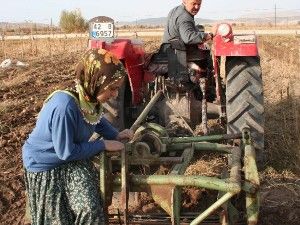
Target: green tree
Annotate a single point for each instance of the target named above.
(72, 21)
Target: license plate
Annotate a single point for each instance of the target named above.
(102, 30)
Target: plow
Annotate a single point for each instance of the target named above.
(152, 147)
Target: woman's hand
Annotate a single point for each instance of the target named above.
(126, 134)
(113, 146)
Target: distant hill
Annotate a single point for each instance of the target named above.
(279, 20)
(287, 16)
(284, 17)
(160, 21)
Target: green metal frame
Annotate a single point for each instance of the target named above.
(170, 185)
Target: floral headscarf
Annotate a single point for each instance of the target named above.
(96, 71)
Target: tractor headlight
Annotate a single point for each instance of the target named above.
(224, 30)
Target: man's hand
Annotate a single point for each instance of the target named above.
(199, 72)
(195, 67)
(208, 36)
(125, 134)
(113, 146)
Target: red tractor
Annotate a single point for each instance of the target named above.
(237, 96)
(228, 89)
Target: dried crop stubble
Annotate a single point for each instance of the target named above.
(22, 92)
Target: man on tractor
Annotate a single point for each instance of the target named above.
(180, 45)
(181, 24)
(183, 56)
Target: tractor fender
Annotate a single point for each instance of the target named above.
(239, 45)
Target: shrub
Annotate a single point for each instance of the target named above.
(72, 21)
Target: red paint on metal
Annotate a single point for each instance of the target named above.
(223, 48)
(149, 77)
(132, 55)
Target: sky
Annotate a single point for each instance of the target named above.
(45, 11)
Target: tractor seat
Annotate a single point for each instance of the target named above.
(193, 53)
(161, 57)
(172, 58)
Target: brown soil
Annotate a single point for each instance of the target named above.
(22, 92)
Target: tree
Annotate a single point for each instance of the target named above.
(72, 21)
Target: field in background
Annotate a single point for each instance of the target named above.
(280, 61)
(31, 49)
(51, 63)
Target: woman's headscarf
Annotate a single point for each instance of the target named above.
(96, 71)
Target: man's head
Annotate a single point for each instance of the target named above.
(192, 6)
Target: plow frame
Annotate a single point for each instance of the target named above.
(166, 189)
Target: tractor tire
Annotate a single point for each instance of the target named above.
(118, 105)
(245, 101)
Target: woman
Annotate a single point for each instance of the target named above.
(61, 181)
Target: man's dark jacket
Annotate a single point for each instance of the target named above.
(181, 24)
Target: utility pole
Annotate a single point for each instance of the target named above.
(51, 26)
(275, 16)
(136, 25)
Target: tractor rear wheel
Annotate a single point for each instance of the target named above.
(244, 99)
(120, 118)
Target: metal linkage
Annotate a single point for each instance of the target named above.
(251, 176)
(147, 109)
(204, 105)
(200, 143)
(219, 137)
(145, 181)
(103, 171)
(202, 146)
(212, 208)
(124, 182)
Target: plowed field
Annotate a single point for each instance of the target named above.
(22, 91)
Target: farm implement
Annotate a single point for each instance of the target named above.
(228, 89)
(237, 199)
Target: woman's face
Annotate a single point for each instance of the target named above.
(111, 92)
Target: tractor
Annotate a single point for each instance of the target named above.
(228, 89)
